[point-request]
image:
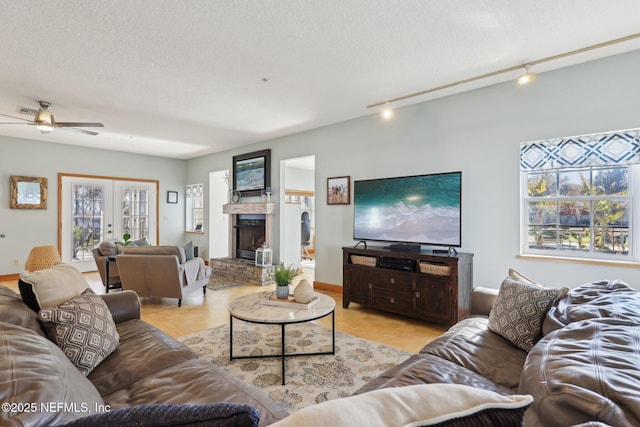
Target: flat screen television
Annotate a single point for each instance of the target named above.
(421, 209)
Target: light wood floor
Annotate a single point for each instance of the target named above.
(200, 312)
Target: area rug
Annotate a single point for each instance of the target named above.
(309, 379)
(216, 283)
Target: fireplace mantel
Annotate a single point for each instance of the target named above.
(266, 208)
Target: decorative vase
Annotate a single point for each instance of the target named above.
(304, 292)
(282, 292)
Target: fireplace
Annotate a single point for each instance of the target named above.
(250, 225)
(250, 230)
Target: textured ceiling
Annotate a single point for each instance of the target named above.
(185, 78)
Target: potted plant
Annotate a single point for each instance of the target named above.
(283, 275)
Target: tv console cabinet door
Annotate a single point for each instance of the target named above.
(433, 297)
(358, 284)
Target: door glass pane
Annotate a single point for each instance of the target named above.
(135, 212)
(87, 210)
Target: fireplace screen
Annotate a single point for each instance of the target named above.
(250, 235)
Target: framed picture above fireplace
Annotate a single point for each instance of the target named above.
(252, 173)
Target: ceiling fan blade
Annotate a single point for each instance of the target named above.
(78, 125)
(17, 118)
(85, 132)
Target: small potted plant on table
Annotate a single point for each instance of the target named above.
(283, 275)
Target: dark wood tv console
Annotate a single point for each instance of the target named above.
(424, 285)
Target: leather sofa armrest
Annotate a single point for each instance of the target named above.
(482, 300)
(124, 305)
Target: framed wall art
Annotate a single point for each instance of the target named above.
(26, 192)
(338, 190)
(252, 172)
(172, 197)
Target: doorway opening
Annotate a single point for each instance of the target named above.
(297, 226)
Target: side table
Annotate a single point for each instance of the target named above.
(107, 262)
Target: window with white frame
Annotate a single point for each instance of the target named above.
(577, 196)
(195, 207)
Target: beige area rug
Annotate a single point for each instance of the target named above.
(216, 283)
(309, 379)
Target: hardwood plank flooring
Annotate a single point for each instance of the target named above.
(199, 312)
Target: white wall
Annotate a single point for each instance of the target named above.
(27, 228)
(477, 132)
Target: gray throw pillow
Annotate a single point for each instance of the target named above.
(519, 311)
(83, 328)
(188, 250)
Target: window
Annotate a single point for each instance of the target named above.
(195, 207)
(579, 212)
(577, 197)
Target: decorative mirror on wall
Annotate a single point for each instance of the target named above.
(27, 192)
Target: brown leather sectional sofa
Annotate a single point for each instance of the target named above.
(585, 368)
(148, 367)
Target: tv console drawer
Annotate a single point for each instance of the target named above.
(393, 280)
(392, 300)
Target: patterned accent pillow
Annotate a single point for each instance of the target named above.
(84, 330)
(519, 311)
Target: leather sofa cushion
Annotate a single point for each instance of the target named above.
(430, 369)
(195, 381)
(143, 351)
(603, 299)
(34, 370)
(14, 311)
(586, 371)
(469, 343)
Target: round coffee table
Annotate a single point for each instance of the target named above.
(250, 308)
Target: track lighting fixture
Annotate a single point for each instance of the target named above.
(527, 77)
(523, 79)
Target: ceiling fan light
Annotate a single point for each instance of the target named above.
(44, 128)
(44, 121)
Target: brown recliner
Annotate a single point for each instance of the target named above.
(161, 271)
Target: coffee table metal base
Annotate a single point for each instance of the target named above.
(283, 354)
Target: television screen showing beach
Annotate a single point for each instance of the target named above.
(417, 209)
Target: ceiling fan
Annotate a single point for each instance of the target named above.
(45, 122)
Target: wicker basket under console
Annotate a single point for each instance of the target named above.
(437, 269)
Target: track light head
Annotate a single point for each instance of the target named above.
(387, 112)
(526, 78)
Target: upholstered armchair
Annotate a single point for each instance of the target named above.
(162, 271)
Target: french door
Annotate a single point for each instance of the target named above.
(96, 209)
